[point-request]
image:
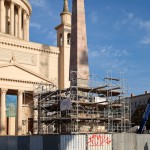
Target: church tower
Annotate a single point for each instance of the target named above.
(63, 42)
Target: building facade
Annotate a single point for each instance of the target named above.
(24, 65)
(139, 100)
(138, 106)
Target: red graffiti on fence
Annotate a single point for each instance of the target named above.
(98, 140)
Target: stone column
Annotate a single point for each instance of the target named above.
(19, 113)
(12, 18)
(19, 21)
(16, 25)
(28, 29)
(24, 25)
(35, 125)
(3, 112)
(2, 17)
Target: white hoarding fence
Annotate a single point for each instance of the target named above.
(73, 142)
(99, 142)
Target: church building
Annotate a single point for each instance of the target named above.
(24, 65)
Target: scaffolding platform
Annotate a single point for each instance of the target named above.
(82, 108)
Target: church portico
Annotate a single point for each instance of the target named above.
(24, 65)
(14, 84)
(11, 118)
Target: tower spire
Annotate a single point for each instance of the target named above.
(65, 15)
(65, 8)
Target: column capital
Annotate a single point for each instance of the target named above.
(24, 12)
(24, 15)
(20, 92)
(28, 17)
(4, 90)
(12, 2)
(19, 7)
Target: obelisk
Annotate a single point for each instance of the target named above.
(79, 50)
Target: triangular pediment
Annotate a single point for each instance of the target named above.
(17, 72)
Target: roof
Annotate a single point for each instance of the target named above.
(15, 71)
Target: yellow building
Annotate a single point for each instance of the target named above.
(24, 65)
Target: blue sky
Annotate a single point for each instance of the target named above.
(118, 36)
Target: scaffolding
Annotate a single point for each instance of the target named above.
(97, 105)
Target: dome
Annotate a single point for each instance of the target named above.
(15, 18)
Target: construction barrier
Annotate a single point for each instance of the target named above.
(57, 142)
(73, 142)
(143, 142)
(122, 141)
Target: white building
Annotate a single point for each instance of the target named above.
(138, 100)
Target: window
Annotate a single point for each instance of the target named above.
(68, 38)
(60, 40)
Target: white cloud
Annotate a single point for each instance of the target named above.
(38, 3)
(94, 17)
(144, 24)
(39, 27)
(52, 37)
(129, 17)
(108, 57)
(94, 54)
(146, 41)
(108, 51)
(35, 25)
(108, 8)
(135, 23)
(43, 6)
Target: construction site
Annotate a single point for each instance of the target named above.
(49, 100)
(97, 105)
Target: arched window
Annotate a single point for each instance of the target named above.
(68, 38)
(60, 39)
